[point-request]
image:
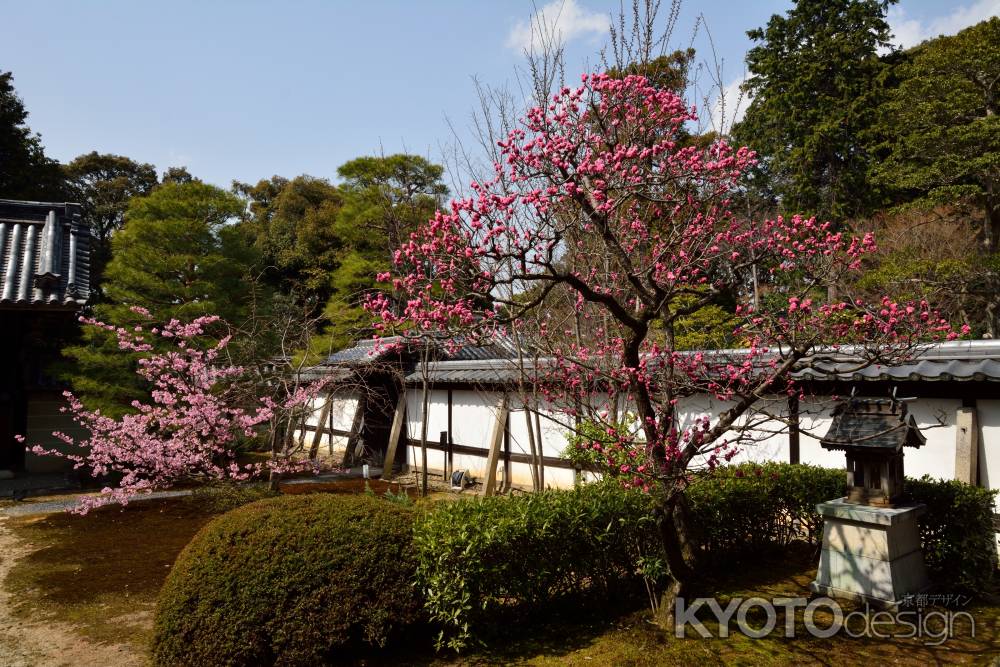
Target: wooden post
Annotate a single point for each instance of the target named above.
(540, 445)
(507, 485)
(329, 427)
(444, 452)
(496, 442)
(967, 445)
(356, 426)
(793, 429)
(314, 448)
(394, 433)
(425, 420)
(450, 454)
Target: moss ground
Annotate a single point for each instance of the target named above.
(101, 574)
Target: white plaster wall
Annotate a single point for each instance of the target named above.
(474, 465)
(937, 457)
(437, 408)
(814, 422)
(342, 409)
(763, 439)
(554, 430)
(755, 438)
(474, 416)
(989, 445)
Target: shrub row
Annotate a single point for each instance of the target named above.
(745, 509)
(957, 532)
(302, 579)
(479, 561)
(742, 509)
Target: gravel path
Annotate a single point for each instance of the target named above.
(29, 508)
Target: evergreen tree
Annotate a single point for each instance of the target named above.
(25, 171)
(104, 184)
(385, 199)
(816, 82)
(941, 166)
(292, 224)
(177, 256)
(943, 124)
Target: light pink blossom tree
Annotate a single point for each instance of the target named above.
(188, 430)
(596, 197)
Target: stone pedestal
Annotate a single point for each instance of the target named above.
(870, 553)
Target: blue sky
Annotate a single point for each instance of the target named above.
(246, 90)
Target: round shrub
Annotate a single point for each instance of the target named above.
(294, 580)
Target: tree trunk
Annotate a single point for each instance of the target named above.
(679, 552)
(991, 215)
(274, 481)
(277, 440)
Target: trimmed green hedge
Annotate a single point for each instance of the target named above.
(956, 532)
(478, 559)
(294, 580)
(306, 579)
(739, 511)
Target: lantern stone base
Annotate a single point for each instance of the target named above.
(870, 553)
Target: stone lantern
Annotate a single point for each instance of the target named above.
(871, 542)
(873, 432)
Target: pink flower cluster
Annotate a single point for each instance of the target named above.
(597, 196)
(186, 431)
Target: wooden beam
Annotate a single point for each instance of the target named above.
(356, 426)
(496, 443)
(506, 456)
(318, 434)
(444, 447)
(793, 429)
(967, 445)
(515, 457)
(449, 455)
(394, 433)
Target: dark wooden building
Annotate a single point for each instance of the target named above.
(44, 283)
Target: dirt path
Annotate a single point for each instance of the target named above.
(37, 642)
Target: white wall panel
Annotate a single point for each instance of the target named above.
(473, 415)
(437, 407)
(989, 445)
(937, 457)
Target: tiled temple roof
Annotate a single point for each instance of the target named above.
(44, 256)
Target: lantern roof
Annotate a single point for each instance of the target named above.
(873, 424)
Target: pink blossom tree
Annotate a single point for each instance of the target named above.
(190, 428)
(595, 197)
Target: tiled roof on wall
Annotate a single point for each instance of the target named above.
(970, 360)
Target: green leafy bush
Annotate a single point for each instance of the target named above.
(294, 580)
(740, 510)
(481, 558)
(956, 532)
